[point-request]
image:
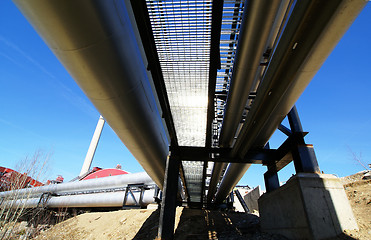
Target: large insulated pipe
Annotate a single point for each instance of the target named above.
(106, 183)
(257, 21)
(92, 147)
(258, 18)
(108, 199)
(313, 30)
(98, 43)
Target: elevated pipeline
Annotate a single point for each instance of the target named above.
(313, 30)
(258, 18)
(257, 21)
(108, 199)
(106, 183)
(99, 45)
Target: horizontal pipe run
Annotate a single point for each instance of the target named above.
(272, 38)
(99, 45)
(258, 18)
(110, 199)
(313, 30)
(106, 183)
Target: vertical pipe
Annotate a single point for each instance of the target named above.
(93, 146)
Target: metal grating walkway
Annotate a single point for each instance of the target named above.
(182, 33)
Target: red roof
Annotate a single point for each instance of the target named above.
(105, 173)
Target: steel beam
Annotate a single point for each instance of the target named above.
(222, 155)
(284, 129)
(203, 186)
(216, 24)
(302, 154)
(243, 203)
(294, 120)
(182, 177)
(146, 33)
(169, 198)
(215, 64)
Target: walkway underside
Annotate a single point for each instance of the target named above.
(211, 79)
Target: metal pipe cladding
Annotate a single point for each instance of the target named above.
(98, 43)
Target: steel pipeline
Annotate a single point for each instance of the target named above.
(106, 183)
(313, 30)
(99, 45)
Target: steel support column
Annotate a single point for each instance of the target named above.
(271, 180)
(303, 154)
(271, 176)
(169, 198)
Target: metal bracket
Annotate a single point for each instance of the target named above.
(129, 191)
(44, 198)
(293, 149)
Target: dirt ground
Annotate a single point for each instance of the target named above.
(199, 224)
(359, 195)
(143, 224)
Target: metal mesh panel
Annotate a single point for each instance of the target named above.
(231, 22)
(193, 174)
(182, 32)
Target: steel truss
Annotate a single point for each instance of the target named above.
(293, 149)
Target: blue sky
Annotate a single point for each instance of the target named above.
(42, 108)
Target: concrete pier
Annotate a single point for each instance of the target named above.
(308, 206)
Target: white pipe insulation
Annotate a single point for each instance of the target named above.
(99, 45)
(110, 199)
(106, 183)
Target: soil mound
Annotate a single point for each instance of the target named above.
(200, 224)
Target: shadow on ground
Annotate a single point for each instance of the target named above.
(149, 228)
(204, 224)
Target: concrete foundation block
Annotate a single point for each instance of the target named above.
(308, 206)
(251, 199)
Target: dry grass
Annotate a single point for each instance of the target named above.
(12, 210)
